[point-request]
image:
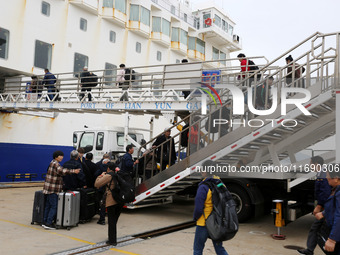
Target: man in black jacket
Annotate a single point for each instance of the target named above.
(322, 192)
(164, 151)
(74, 181)
(92, 168)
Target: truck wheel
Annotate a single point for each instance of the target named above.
(243, 203)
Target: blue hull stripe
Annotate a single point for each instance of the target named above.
(18, 158)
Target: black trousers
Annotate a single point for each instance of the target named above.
(113, 213)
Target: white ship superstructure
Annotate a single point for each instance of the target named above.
(66, 35)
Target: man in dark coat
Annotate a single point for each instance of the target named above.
(92, 168)
(168, 148)
(74, 181)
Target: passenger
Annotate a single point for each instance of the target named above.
(124, 85)
(37, 86)
(101, 191)
(203, 208)
(247, 66)
(113, 208)
(186, 93)
(262, 94)
(194, 136)
(92, 167)
(148, 162)
(85, 83)
(332, 210)
(49, 81)
(74, 182)
(322, 191)
(52, 186)
(298, 73)
(100, 163)
(164, 159)
(128, 163)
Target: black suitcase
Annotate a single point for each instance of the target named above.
(87, 204)
(38, 207)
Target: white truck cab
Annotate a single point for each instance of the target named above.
(105, 140)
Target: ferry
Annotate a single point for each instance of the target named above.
(65, 36)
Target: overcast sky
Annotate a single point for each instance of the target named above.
(271, 27)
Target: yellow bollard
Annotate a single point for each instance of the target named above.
(279, 221)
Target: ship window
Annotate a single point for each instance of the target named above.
(159, 56)
(120, 139)
(45, 8)
(178, 61)
(86, 141)
(231, 30)
(145, 16)
(42, 55)
(110, 74)
(156, 24)
(215, 53)
(185, 17)
(206, 15)
(157, 85)
(80, 61)
(184, 37)
(4, 42)
(112, 36)
(138, 47)
(197, 23)
(120, 5)
(217, 20)
(223, 56)
(225, 26)
(175, 34)
(173, 9)
(192, 43)
(165, 27)
(200, 46)
(83, 24)
(134, 12)
(100, 141)
(108, 3)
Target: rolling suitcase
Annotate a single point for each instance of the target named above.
(68, 209)
(38, 207)
(87, 204)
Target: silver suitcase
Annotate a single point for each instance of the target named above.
(68, 209)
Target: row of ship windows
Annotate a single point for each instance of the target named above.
(161, 25)
(43, 59)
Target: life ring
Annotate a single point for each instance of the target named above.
(208, 21)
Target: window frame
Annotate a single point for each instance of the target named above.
(6, 38)
(112, 36)
(49, 56)
(83, 21)
(98, 146)
(80, 67)
(138, 45)
(159, 55)
(48, 8)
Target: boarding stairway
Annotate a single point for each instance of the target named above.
(238, 145)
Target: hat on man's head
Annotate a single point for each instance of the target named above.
(289, 58)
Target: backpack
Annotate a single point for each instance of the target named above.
(93, 80)
(252, 65)
(194, 134)
(222, 223)
(129, 75)
(124, 191)
(119, 162)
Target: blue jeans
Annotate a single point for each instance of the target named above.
(201, 237)
(51, 89)
(50, 208)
